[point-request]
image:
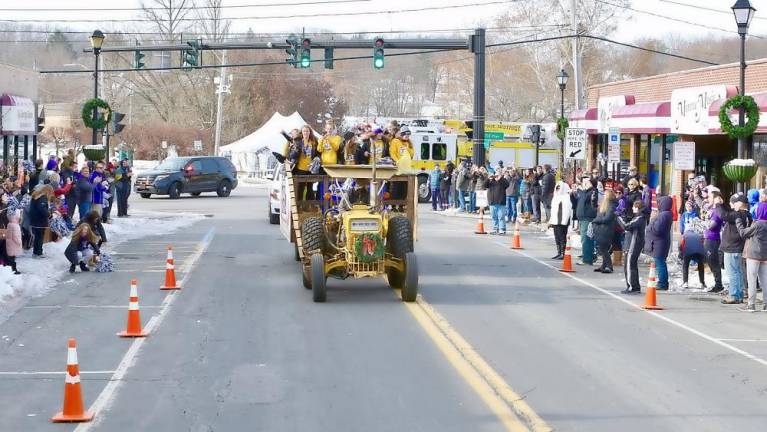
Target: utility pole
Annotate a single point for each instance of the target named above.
(478, 132)
(220, 103)
(578, 77)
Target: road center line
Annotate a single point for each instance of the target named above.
(510, 408)
(107, 395)
(720, 342)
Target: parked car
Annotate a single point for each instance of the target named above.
(192, 175)
(274, 194)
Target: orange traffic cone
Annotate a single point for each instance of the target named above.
(567, 261)
(73, 410)
(516, 241)
(133, 329)
(650, 300)
(170, 273)
(481, 223)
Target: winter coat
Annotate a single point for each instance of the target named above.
(462, 179)
(98, 193)
(756, 240)
(692, 244)
(39, 212)
(647, 196)
(84, 190)
(434, 179)
(561, 206)
(714, 228)
(480, 181)
(496, 191)
(658, 232)
(634, 229)
(732, 242)
(535, 186)
(604, 225)
(514, 185)
(686, 216)
(13, 236)
(547, 184)
(444, 181)
(586, 207)
(630, 197)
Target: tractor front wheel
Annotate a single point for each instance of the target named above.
(319, 280)
(410, 288)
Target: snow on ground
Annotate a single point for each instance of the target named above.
(40, 275)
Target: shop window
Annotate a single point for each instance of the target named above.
(439, 151)
(425, 151)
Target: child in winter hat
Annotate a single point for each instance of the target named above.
(13, 240)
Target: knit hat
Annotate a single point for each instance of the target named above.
(51, 165)
(738, 197)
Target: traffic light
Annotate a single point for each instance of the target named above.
(191, 56)
(535, 134)
(138, 59)
(292, 51)
(329, 58)
(117, 127)
(306, 53)
(378, 53)
(41, 121)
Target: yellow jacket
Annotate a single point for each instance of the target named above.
(397, 148)
(307, 153)
(329, 145)
(380, 149)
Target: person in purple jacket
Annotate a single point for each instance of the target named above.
(712, 240)
(658, 239)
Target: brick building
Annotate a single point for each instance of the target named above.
(654, 113)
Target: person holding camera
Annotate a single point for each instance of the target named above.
(496, 197)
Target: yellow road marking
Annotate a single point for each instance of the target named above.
(510, 408)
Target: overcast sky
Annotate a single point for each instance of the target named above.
(632, 24)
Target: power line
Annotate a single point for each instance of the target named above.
(675, 19)
(303, 3)
(705, 8)
(261, 18)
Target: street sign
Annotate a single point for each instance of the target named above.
(684, 155)
(197, 145)
(575, 143)
(494, 136)
(614, 146)
(164, 144)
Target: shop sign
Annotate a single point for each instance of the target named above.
(684, 156)
(512, 130)
(575, 143)
(605, 107)
(18, 116)
(689, 108)
(614, 146)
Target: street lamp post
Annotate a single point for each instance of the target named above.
(743, 12)
(562, 81)
(97, 40)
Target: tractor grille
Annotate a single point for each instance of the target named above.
(360, 269)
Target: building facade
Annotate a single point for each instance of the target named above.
(19, 119)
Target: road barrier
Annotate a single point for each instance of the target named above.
(170, 273)
(72, 411)
(133, 327)
(567, 260)
(516, 241)
(650, 300)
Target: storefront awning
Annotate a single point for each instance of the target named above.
(761, 102)
(587, 118)
(652, 117)
(19, 116)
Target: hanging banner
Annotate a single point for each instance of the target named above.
(684, 155)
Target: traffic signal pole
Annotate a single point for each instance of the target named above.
(478, 48)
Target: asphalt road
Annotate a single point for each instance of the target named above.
(242, 346)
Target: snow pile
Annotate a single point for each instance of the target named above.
(742, 162)
(40, 275)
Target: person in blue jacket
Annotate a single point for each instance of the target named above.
(434, 179)
(658, 239)
(753, 201)
(690, 213)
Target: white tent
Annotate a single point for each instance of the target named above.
(268, 138)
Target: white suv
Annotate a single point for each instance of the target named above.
(274, 194)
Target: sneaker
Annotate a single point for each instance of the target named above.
(716, 289)
(502, 233)
(72, 268)
(703, 286)
(731, 300)
(764, 308)
(583, 263)
(628, 291)
(749, 308)
(685, 286)
(17, 272)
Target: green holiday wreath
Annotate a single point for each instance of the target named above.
(752, 112)
(369, 247)
(102, 119)
(562, 124)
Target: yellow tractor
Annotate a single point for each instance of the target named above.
(348, 224)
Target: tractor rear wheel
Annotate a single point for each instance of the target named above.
(410, 288)
(319, 292)
(313, 236)
(399, 242)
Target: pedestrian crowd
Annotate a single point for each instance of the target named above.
(53, 201)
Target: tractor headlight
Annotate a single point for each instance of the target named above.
(358, 225)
